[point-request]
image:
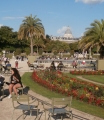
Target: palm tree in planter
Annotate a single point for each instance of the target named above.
(30, 28)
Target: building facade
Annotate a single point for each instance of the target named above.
(68, 37)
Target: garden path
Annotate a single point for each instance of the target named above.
(80, 77)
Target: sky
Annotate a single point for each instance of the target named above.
(55, 15)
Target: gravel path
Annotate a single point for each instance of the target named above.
(6, 107)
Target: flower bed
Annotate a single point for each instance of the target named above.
(84, 72)
(82, 90)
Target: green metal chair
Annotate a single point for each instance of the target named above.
(60, 107)
(22, 102)
(20, 90)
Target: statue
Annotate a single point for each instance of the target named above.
(13, 55)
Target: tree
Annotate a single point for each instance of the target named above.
(93, 36)
(38, 42)
(30, 28)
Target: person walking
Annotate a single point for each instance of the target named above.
(16, 64)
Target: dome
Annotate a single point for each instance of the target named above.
(68, 33)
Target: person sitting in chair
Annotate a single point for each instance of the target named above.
(7, 65)
(15, 82)
(60, 66)
(52, 66)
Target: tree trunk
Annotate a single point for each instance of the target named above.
(31, 46)
(37, 49)
(90, 56)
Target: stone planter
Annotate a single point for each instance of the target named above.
(100, 65)
(31, 59)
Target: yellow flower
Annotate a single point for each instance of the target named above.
(96, 88)
(88, 95)
(66, 89)
(71, 81)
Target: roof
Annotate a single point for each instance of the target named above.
(68, 31)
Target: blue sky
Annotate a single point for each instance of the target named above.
(55, 15)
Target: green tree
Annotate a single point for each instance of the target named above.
(38, 42)
(30, 28)
(93, 36)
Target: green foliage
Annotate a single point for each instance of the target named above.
(94, 37)
(40, 51)
(73, 46)
(55, 52)
(9, 55)
(30, 26)
(18, 51)
(27, 50)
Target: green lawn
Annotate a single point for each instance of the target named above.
(95, 78)
(94, 110)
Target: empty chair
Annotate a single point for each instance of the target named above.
(61, 107)
(24, 104)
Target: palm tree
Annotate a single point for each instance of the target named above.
(94, 36)
(30, 28)
(38, 42)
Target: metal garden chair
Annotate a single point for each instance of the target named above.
(20, 89)
(60, 107)
(22, 102)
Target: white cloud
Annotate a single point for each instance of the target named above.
(1, 25)
(11, 18)
(90, 1)
(62, 30)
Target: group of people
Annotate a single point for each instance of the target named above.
(56, 66)
(15, 82)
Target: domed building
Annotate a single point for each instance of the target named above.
(68, 37)
(68, 33)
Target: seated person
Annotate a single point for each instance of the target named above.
(7, 65)
(15, 82)
(93, 65)
(52, 66)
(1, 83)
(36, 64)
(60, 65)
(30, 65)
